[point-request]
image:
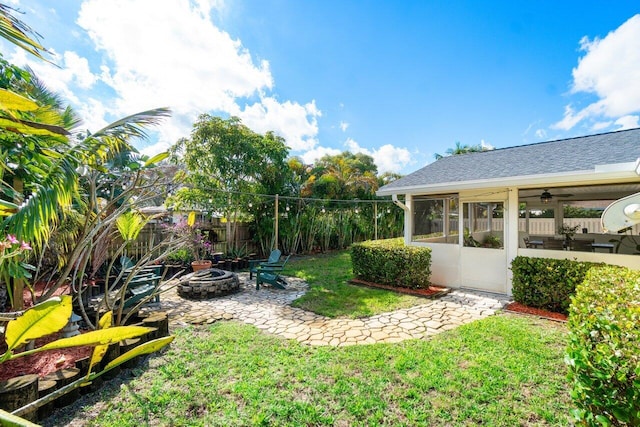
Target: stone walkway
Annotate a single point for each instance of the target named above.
(268, 309)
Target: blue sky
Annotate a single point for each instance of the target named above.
(399, 80)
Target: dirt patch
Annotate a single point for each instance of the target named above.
(431, 292)
(523, 309)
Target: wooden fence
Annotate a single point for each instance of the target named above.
(216, 232)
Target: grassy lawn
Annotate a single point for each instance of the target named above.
(504, 370)
(331, 295)
(500, 371)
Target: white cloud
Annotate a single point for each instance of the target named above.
(312, 155)
(93, 113)
(169, 54)
(344, 126)
(610, 70)
(296, 123)
(541, 133)
(387, 158)
(73, 70)
(628, 122)
(601, 125)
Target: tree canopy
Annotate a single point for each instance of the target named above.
(343, 176)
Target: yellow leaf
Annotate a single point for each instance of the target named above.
(100, 350)
(146, 348)
(157, 158)
(40, 320)
(8, 419)
(98, 353)
(8, 208)
(191, 219)
(106, 320)
(12, 101)
(24, 129)
(99, 337)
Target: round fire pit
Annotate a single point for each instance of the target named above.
(209, 283)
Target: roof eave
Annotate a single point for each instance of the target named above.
(610, 172)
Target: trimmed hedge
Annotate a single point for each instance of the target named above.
(547, 283)
(604, 347)
(390, 262)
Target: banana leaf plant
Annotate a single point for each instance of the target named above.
(49, 317)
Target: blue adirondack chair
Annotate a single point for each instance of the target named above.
(274, 258)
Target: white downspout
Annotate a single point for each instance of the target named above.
(404, 207)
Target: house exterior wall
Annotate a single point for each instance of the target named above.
(455, 266)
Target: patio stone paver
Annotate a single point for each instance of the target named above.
(269, 310)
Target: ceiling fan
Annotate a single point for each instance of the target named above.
(546, 196)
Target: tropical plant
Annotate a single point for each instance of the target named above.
(42, 165)
(190, 234)
(51, 316)
(39, 165)
(20, 34)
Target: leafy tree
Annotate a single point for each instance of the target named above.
(224, 161)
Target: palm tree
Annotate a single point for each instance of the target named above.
(39, 162)
(343, 176)
(460, 149)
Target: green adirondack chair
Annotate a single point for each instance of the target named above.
(267, 273)
(254, 264)
(273, 279)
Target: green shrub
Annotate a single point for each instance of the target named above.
(604, 347)
(547, 283)
(390, 262)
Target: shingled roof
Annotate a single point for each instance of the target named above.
(565, 155)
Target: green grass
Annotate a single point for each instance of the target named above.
(501, 371)
(331, 295)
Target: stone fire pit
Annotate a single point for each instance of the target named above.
(209, 283)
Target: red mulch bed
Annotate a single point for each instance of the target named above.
(520, 308)
(45, 362)
(40, 288)
(430, 292)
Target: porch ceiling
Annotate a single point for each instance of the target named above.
(587, 192)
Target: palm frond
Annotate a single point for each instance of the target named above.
(133, 126)
(42, 208)
(17, 32)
